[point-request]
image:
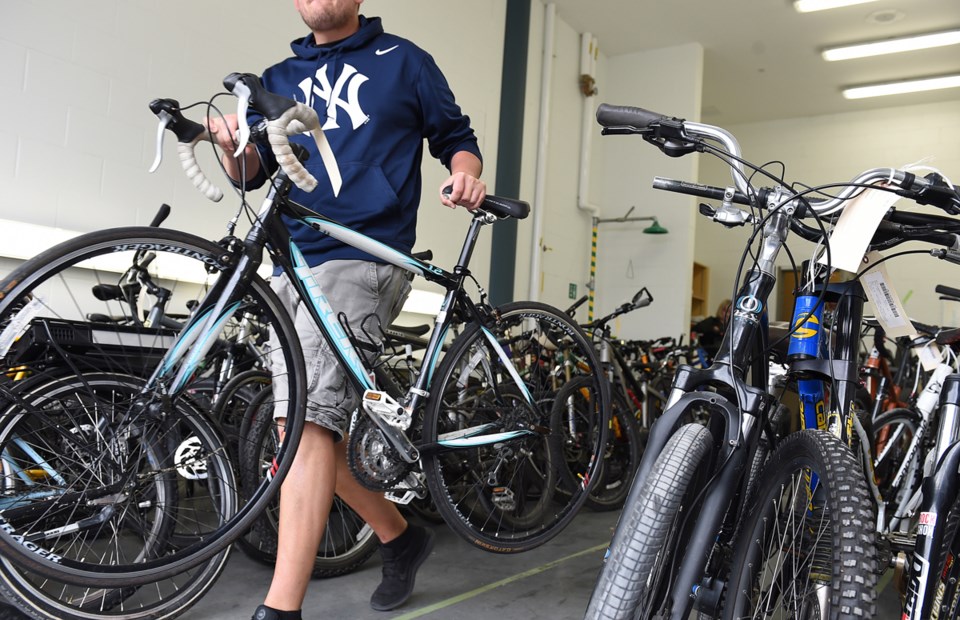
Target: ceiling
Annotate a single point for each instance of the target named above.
(761, 58)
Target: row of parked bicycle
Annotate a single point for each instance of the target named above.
(70, 431)
(138, 443)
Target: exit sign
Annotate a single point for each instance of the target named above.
(572, 292)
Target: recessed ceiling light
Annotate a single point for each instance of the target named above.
(885, 16)
(808, 6)
(902, 87)
(892, 46)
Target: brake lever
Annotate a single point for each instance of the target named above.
(243, 95)
(165, 119)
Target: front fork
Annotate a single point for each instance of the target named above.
(940, 491)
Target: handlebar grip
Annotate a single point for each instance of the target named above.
(643, 303)
(107, 292)
(696, 189)
(947, 290)
(161, 215)
(627, 116)
(934, 190)
(577, 304)
(424, 255)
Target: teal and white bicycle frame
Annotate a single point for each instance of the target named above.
(269, 230)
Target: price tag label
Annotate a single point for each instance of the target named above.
(854, 230)
(883, 296)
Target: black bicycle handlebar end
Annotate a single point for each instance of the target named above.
(613, 116)
(162, 213)
(947, 290)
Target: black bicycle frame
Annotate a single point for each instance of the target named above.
(270, 231)
(736, 432)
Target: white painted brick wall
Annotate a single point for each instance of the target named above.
(78, 136)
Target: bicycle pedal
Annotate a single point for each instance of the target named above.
(382, 405)
(404, 499)
(413, 489)
(504, 499)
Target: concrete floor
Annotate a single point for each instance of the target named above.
(458, 581)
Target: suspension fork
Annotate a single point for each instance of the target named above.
(939, 494)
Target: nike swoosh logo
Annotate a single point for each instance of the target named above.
(386, 51)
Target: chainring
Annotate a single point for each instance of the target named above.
(375, 463)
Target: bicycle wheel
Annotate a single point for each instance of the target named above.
(893, 434)
(52, 328)
(808, 548)
(43, 598)
(347, 540)
(639, 557)
(52, 437)
(622, 454)
(232, 402)
(491, 459)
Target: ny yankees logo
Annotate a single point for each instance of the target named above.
(349, 79)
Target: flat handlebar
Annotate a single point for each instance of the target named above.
(676, 137)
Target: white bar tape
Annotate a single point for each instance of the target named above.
(189, 162)
(296, 120)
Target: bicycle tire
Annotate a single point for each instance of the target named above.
(347, 541)
(69, 345)
(627, 576)
(42, 598)
(622, 454)
(502, 496)
(836, 514)
(232, 402)
(893, 433)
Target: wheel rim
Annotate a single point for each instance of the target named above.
(511, 495)
(73, 332)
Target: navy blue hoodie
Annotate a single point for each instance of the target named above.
(381, 96)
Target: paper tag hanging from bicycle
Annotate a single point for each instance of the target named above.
(889, 309)
(886, 302)
(852, 234)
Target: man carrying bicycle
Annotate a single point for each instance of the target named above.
(378, 96)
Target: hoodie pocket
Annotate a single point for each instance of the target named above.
(365, 192)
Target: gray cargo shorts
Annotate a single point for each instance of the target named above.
(358, 289)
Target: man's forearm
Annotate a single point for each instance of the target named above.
(467, 162)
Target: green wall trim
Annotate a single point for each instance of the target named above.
(513, 84)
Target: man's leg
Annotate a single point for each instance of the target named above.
(403, 547)
(376, 510)
(305, 500)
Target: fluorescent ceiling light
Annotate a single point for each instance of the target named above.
(905, 86)
(893, 46)
(808, 6)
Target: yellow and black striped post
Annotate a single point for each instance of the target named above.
(593, 268)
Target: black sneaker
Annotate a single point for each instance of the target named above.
(401, 559)
(268, 613)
